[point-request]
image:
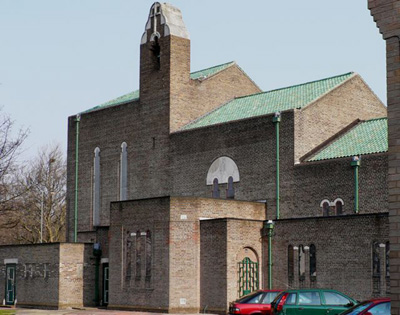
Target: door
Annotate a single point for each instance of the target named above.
(10, 284)
(106, 276)
(248, 276)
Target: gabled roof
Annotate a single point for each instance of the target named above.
(367, 137)
(296, 96)
(133, 96)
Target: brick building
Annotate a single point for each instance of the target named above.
(177, 181)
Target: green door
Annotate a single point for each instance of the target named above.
(106, 276)
(10, 284)
(248, 276)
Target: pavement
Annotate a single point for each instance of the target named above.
(87, 311)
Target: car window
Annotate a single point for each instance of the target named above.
(269, 297)
(256, 299)
(357, 309)
(333, 298)
(309, 298)
(380, 309)
(291, 299)
(248, 297)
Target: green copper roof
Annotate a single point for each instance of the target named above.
(296, 96)
(367, 137)
(133, 96)
(202, 74)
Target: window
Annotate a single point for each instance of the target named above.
(313, 262)
(325, 209)
(309, 298)
(123, 172)
(333, 298)
(290, 263)
(382, 309)
(302, 263)
(230, 192)
(148, 255)
(339, 206)
(387, 249)
(138, 257)
(291, 299)
(376, 262)
(96, 188)
(269, 297)
(215, 191)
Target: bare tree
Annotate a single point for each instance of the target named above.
(42, 207)
(10, 191)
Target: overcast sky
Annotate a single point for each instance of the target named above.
(61, 57)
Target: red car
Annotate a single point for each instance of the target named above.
(371, 307)
(258, 302)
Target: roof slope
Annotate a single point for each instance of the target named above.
(296, 96)
(133, 96)
(370, 136)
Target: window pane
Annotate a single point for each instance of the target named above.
(291, 299)
(255, 299)
(269, 297)
(381, 309)
(332, 298)
(309, 298)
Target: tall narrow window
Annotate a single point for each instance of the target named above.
(123, 175)
(138, 257)
(376, 262)
(290, 264)
(96, 188)
(302, 263)
(313, 262)
(128, 272)
(149, 255)
(215, 191)
(387, 259)
(325, 209)
(230, 191)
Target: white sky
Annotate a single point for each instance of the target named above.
(61, 57)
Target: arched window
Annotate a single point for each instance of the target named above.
(230, 191)
(128, 271)
(313, 262)
(339, 206)
(325, 204)
(215, 191)
(222, 168)
(149, 255)
(302, 263)
(290, 264)
(96, 187)
(123, 172)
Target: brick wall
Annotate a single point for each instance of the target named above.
(387, 17)
(343, 252)
(329, 114)
(50, 275)
(332, 179)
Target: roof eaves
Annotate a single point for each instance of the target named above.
(99, 107)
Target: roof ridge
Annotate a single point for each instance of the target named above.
(216, 66)
(295, 85)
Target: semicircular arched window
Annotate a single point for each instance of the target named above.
(222, 168)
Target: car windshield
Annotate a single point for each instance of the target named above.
(357, 309)
(252, 298)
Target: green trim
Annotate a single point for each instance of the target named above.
(276, 120)
(356, 166)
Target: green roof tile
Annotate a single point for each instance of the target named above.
(133, 96)
(367, 137)
(296, 96)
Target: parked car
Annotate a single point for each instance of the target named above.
(379, 306)
(258, 302)
(311, 302)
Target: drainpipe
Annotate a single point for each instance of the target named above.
(77, 120)
(355, 163)
(270, 228)
(276, 120)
